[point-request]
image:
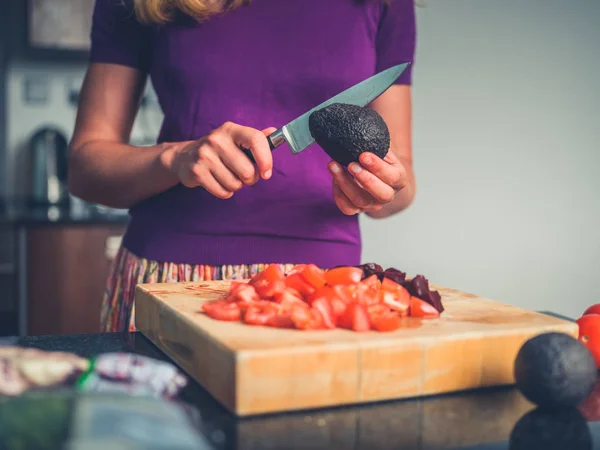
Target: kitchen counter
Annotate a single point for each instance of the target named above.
(18, 214)
(473, 421)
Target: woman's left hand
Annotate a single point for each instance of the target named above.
(369, 185)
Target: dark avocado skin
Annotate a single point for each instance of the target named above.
(540, 429)
(554, 371)
(345, 131)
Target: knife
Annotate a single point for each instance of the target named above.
(297, 134)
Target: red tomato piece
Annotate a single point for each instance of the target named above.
(260, 314)
(307, 319)
(387, 321)
(420, 308)
(296, 269)
(395, 296)
(346, 293)
(288, 295)
(365, 295)
(281, 321)
(343, 275)
(269, 289)
(271, 274)
(594, 309)
(589, 334)
(324, 307)
(297, 282)
(372, 282)
(223, 310)
(313, 276)
(355, 318)
(338, 307)
(246, 293)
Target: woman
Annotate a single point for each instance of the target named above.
(226, 76)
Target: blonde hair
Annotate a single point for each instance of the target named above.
(162, 11)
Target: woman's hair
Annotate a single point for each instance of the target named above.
(162, 11)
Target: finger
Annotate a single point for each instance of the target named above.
(359, 197)
(377, 188)
(268, 131)
(343, 202)
(257, 143)
(225, 177)
(389, 169)
(222, 146)
(206, 179)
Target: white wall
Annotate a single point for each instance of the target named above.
(507, 154)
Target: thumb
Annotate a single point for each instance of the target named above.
(268, 131)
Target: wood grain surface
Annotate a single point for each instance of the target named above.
(256, 370)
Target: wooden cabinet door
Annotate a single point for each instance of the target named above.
(67, 269)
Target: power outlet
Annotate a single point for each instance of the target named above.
(36, 90)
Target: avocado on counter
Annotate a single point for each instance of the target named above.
(555, 370)
(345, 131)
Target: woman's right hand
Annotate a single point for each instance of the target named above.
(216, 162)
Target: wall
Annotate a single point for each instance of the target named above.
(24, 118)
(507, 153)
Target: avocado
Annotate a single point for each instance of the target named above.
(541, 429)
(555, 370)
(345, 131)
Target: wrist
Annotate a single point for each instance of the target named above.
(167, 158)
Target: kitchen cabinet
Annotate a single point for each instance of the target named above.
(66, 271)
(50, 29)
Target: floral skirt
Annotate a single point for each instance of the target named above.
(128, 270)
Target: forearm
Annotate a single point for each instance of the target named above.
(119, 175)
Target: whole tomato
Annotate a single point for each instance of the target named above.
(589, 334)
(594, 309)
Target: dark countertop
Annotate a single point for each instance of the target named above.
(480, 420)
(16, 213)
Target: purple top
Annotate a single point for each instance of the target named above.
(258, 66)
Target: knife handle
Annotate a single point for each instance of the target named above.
(248, 153)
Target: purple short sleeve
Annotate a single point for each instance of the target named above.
(118, 38)
(396, 37)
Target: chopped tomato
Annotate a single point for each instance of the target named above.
(281, 321)
(296, 281)
(260, 314)
(268, 290)
(313, 276)
(355, 318)
(223, 310)
(287, 295)
(338, 307)
(372, 281)
(307, 319)
(296, 269)
(383, 318)
(272, 273)
(420, 308)
(246, 293)
(394, 296)
(324, 307)
(344, 275)
(365, 295)
(292, 303)
(346, 293)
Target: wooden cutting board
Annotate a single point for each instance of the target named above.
(256, 370)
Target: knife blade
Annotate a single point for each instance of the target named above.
(297, 134)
